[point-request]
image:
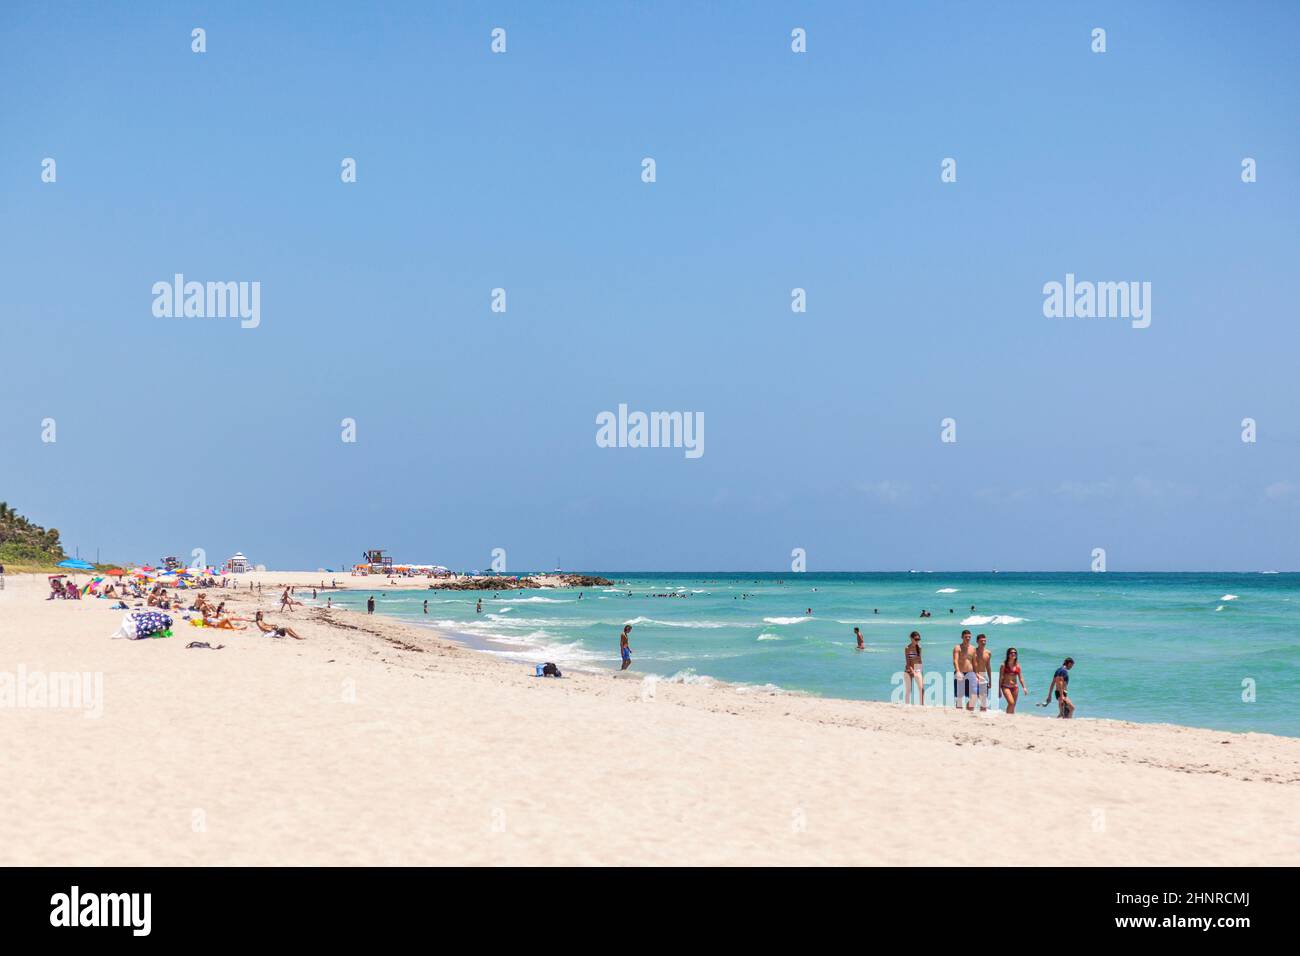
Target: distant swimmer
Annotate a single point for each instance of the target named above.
(1060, 684)
(925, 613)
(912, 671)
(876, 611)
(426, 607)
(858, 635)
(809, 612)
(478, 608)
(1008, 676)
(625, 649)
(963, 668)
(983, 670)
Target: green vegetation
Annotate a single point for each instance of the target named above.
(25, 546)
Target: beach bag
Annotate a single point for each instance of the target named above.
(550, 670)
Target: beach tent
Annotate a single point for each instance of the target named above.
(76, 564)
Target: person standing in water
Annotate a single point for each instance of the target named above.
(478, 608)
(1008, 677)
(858, 635)
(426, 607)
(912, 670)
(625, 649)
(370, 605)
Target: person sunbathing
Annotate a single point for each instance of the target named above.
(274, 631)
(224, 623)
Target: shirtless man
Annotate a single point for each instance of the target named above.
(1060, 686)
(983, 670)
(625, 649)
(281, 631)
(963, 668)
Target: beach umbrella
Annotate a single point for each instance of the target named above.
(76, 564)
(115, 572)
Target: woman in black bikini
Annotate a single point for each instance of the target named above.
(912, 670)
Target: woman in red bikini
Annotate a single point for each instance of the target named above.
(1008, 675)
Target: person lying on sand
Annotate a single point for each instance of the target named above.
(212, 617)
(276, 631)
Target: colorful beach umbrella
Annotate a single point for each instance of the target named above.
(76, 564)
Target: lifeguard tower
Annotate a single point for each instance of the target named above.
(378, 561)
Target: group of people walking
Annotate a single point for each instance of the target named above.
(972, 668)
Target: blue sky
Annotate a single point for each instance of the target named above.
(775, 170)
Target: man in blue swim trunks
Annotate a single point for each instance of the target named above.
(623, 649)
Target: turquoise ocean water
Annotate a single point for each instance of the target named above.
(1174, 648)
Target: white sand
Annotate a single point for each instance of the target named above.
(348, 748)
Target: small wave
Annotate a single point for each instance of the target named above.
(946, 591)
(785, 620)
(976, 620)
(538, 600)
(765, 636)
(1228, 597)
(650, 620)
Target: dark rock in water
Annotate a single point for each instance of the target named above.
(584, 581)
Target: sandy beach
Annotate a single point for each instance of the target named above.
(380, 742)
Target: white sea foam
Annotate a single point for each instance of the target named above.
(688, 676)
(976, 620)
(1228, 597)
(697, 624)
(539, 600)
(946, 591)
(766, 636)
(785, 620)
